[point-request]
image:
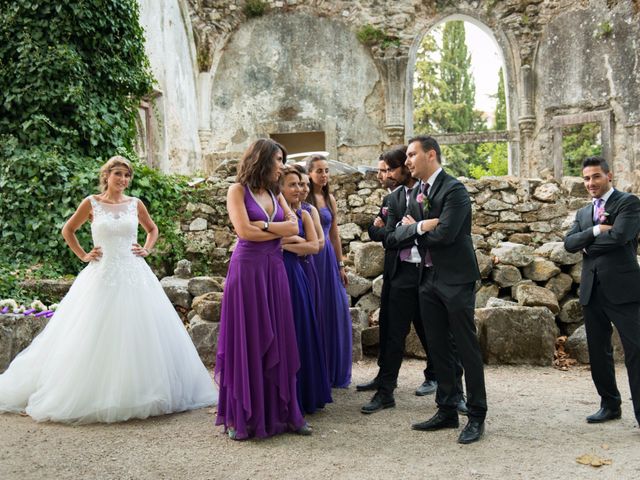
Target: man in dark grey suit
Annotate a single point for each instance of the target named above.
(439, 221)
(606, 232)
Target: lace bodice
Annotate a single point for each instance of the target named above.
(114, 227)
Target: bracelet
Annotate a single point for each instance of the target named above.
(341, 264)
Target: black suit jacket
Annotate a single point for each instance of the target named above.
(449, 244)
(612, 254)
(377, 235)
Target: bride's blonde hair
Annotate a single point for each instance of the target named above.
(113, 162)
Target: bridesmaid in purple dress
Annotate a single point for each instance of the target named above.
(336, 318)
(308, 264)
(257, 358)
(314, 389)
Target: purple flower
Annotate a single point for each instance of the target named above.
(30, 311)
(420, 197)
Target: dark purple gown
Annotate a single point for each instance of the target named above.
(336, 319)
(314, 389)
(257, 358)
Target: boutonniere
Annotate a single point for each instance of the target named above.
(424, 200)
(602, 215)
(385, 211)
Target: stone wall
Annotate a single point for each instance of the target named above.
(526, 298)
(299, 68)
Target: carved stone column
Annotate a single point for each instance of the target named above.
(526, 121)
(393, 72)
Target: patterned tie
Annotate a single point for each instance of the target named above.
(597, 205)
(405, 253)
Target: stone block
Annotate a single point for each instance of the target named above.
(547, 192)
(200, 285)
(570, 311)
(177, 289)
(516, 287)
(198, 224)
(358, 285)
(16, 334)
(516, 254)
(485, 293)
(494, 302)
(359, 317)
(370, 336)
(485, 264)
(534, 296)
(349, 232)
(376, 286)
(560, 285)
(576, 345)
(505, 275)
(540, 270)
(517, 335)
(412, 345)
(205, 338)
(368, 303)
(208, 306)
(368, 259)
(555, 252)
(574, 186)
(183, 269)
(576, 272)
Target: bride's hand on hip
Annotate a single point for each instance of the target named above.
(139, 251)
(93, 256)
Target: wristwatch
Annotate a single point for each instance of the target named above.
(265, 227)
(340, 264)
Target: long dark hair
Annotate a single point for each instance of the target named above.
(255, 165)
(326, 192)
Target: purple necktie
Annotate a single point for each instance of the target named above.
(405, 253)
(597, 205)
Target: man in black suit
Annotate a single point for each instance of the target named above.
(607, 234)
(439, 221)
(396, 316)
(402, 305)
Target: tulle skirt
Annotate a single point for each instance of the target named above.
(114, 350)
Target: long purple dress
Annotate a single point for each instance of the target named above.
(257, 357)
(335, 317)
(314, 389)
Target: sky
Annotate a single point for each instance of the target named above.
(485, 63)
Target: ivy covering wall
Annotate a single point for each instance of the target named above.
(72, 74)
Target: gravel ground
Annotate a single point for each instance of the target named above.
(535, 429)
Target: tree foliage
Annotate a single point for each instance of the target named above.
(71, 78)
(71, 73)
(444, 94)
(579, 142)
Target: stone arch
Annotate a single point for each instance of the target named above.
(295, 72)
(511, 66)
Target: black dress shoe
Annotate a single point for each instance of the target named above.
(427, 388)
(604, 415)
(461, 406)
(378, 402)
(437, 422)
(365, 387)
(472, 432)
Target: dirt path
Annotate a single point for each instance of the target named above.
(535, 429)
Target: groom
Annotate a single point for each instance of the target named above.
(439, 222)
(606, 232)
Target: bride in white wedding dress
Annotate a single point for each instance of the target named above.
(115, 348)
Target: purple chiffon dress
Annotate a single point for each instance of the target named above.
(257, 358)
(314, 389)
(336, 319)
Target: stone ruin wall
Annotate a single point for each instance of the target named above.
(529, 282)
(300, 67)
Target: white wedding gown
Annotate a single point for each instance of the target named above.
(115, 349)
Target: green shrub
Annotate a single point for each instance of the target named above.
(254, 8)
